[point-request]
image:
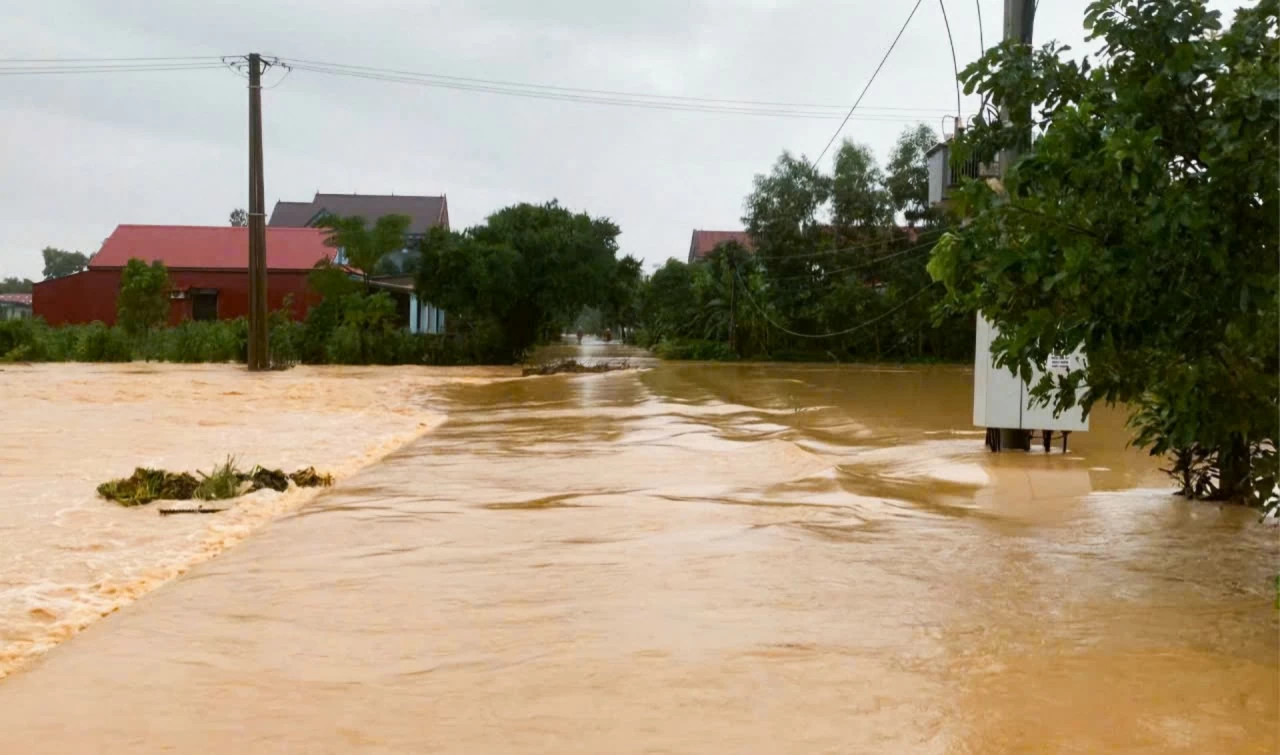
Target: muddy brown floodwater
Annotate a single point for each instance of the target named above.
(700, 558)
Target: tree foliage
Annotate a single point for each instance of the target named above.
(143, 302)
(828, 255)
(1142, 227)
(59, 263)
(16, 286)
(528, 270)
(239, 218)
(363, 246)
(620, 307)
(908, 179)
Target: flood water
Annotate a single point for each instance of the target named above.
(700, 558)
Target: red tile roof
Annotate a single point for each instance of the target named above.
(210, 247)
(704, 242)
(16, 299)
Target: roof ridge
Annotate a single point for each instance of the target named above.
(378, 196)
(212, 227)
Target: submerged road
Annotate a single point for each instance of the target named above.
(700, 558)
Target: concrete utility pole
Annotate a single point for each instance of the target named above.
(259, 357)
(1019, 19)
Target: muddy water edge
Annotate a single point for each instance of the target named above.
(700, 558)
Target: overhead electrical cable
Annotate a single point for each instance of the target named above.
(666, 98)
(865, 324)
(982, 43)
(870, 81)
(955, 65)
(594, 99)
(914, 251)
(91, 69)
(843, 249)
(6, 61)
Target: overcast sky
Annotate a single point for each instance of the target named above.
(83, 153)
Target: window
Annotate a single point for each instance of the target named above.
(204, 304)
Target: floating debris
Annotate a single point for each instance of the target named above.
(201, 509)
(147, 485)
(574, 366)
(223, 482)
(310, 478)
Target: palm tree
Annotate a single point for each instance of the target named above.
(364, 246)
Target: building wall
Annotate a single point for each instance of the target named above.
(14, 311)
(91, 295)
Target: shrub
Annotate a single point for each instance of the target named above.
(96, 342)
(18, 340)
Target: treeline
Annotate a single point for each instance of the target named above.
(513, 282)
(831, 273)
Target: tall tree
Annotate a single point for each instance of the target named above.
(365, 247)
(668, 305)
(239, 218)
(621, 306)
(860, 204)
(143, 302)
(1142, 227)
(908, 179)
(529, 269)
(58, 263)
(16, 286)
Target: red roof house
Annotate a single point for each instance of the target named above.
(704, 243)
(208, 266)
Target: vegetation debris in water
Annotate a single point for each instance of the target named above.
(223, 482)
(574, 366)
(147, 485)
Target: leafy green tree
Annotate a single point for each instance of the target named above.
(668, 303)
(529, 269)
(239, 218)
(859, 199)
(621, 305)
(59, 263)
(367, 322)
(1142, 227)
(365, 247)
(16, 286)
(819, 278)
(908, 179)
(143, 302)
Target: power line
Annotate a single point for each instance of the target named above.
(981, 42)
(870, 81)
(108, 60)
(955, 66)
(869, 263)
(593, 99)
(866, 324)
(419, 75)
(88, 69)
(840, 250)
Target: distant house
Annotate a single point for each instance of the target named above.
(208, 266)
(424, 213)
(704, 243)
(15, 306)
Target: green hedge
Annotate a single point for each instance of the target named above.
(695, 349)
(323, 341)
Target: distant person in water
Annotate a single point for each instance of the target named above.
(608, 335)
(579, 336)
